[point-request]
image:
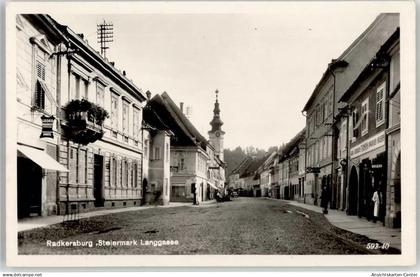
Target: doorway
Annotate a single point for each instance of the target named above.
(98, 188)
(353, 184)
(29, 190)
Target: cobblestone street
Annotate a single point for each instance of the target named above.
(242, 226)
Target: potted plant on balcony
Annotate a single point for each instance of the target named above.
(84, 121)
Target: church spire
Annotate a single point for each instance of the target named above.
(216, 123)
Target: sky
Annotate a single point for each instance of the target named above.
(265, 65)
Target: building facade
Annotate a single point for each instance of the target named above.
(104, 159)
(37, 72)
(95, 114)
(323, 107)
(370, 155)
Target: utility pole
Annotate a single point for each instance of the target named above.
(105, 32)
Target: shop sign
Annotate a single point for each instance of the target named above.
(47, 127)
(313, 170)
(368, 145)
(376, 166)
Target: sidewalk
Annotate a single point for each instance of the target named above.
(361, 226)
(43, 221)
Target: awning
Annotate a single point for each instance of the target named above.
(40, 158)
(212, 185)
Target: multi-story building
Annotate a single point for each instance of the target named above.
(36, 101)
(104, 155)
(369, 121)
(393, 192)
(289, 177)
(235, 182)
(265, 173)
(302, 167)
(195, 164)
(322, 107)
(79, 88)
(156, 159)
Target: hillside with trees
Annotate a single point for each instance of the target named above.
(235, 156)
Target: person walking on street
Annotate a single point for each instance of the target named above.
(376, 199)
(324, 199)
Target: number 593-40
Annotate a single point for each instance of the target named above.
(376, 245)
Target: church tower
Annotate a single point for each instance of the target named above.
(216, 134)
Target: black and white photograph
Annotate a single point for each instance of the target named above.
(277, 133)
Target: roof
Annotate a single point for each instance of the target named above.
(253, 166)
(267, 163)
(185, 134)
(239, 169)
(292, 146)
(152, 120)
(102, 63)
(369, 42)
(367, 71)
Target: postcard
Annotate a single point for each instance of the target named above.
(241, 134)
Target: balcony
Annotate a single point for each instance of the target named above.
(84, 121)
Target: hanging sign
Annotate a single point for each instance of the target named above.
(47, 127)
(313, 170)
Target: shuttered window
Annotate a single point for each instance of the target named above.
(39, 88)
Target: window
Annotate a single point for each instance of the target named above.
(355, 123)
(114, 111)
(365, 117)
(85, 89)
(40, 71)
(77, 86)
(134, 175)
(146, 148)
(125, 117)
(325, 109)
(181, 164)
(114, 172)
(167, 152)
(330, 103)
(156, 155)
(100, 94)
(126, 173)
(82, 167)
(380, 108)
(40, 86)
(318, 115)
(136, 122)
(121, 172)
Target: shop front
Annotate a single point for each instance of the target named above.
(36, 181)
(367, 175)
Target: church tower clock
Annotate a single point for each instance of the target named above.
(216, 134)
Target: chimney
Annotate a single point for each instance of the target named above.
(124, 73)
(181, 106)
(148, 94)
(82, 36)
(112, 63)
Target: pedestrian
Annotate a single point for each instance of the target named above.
(324, 199)
(376, 199)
